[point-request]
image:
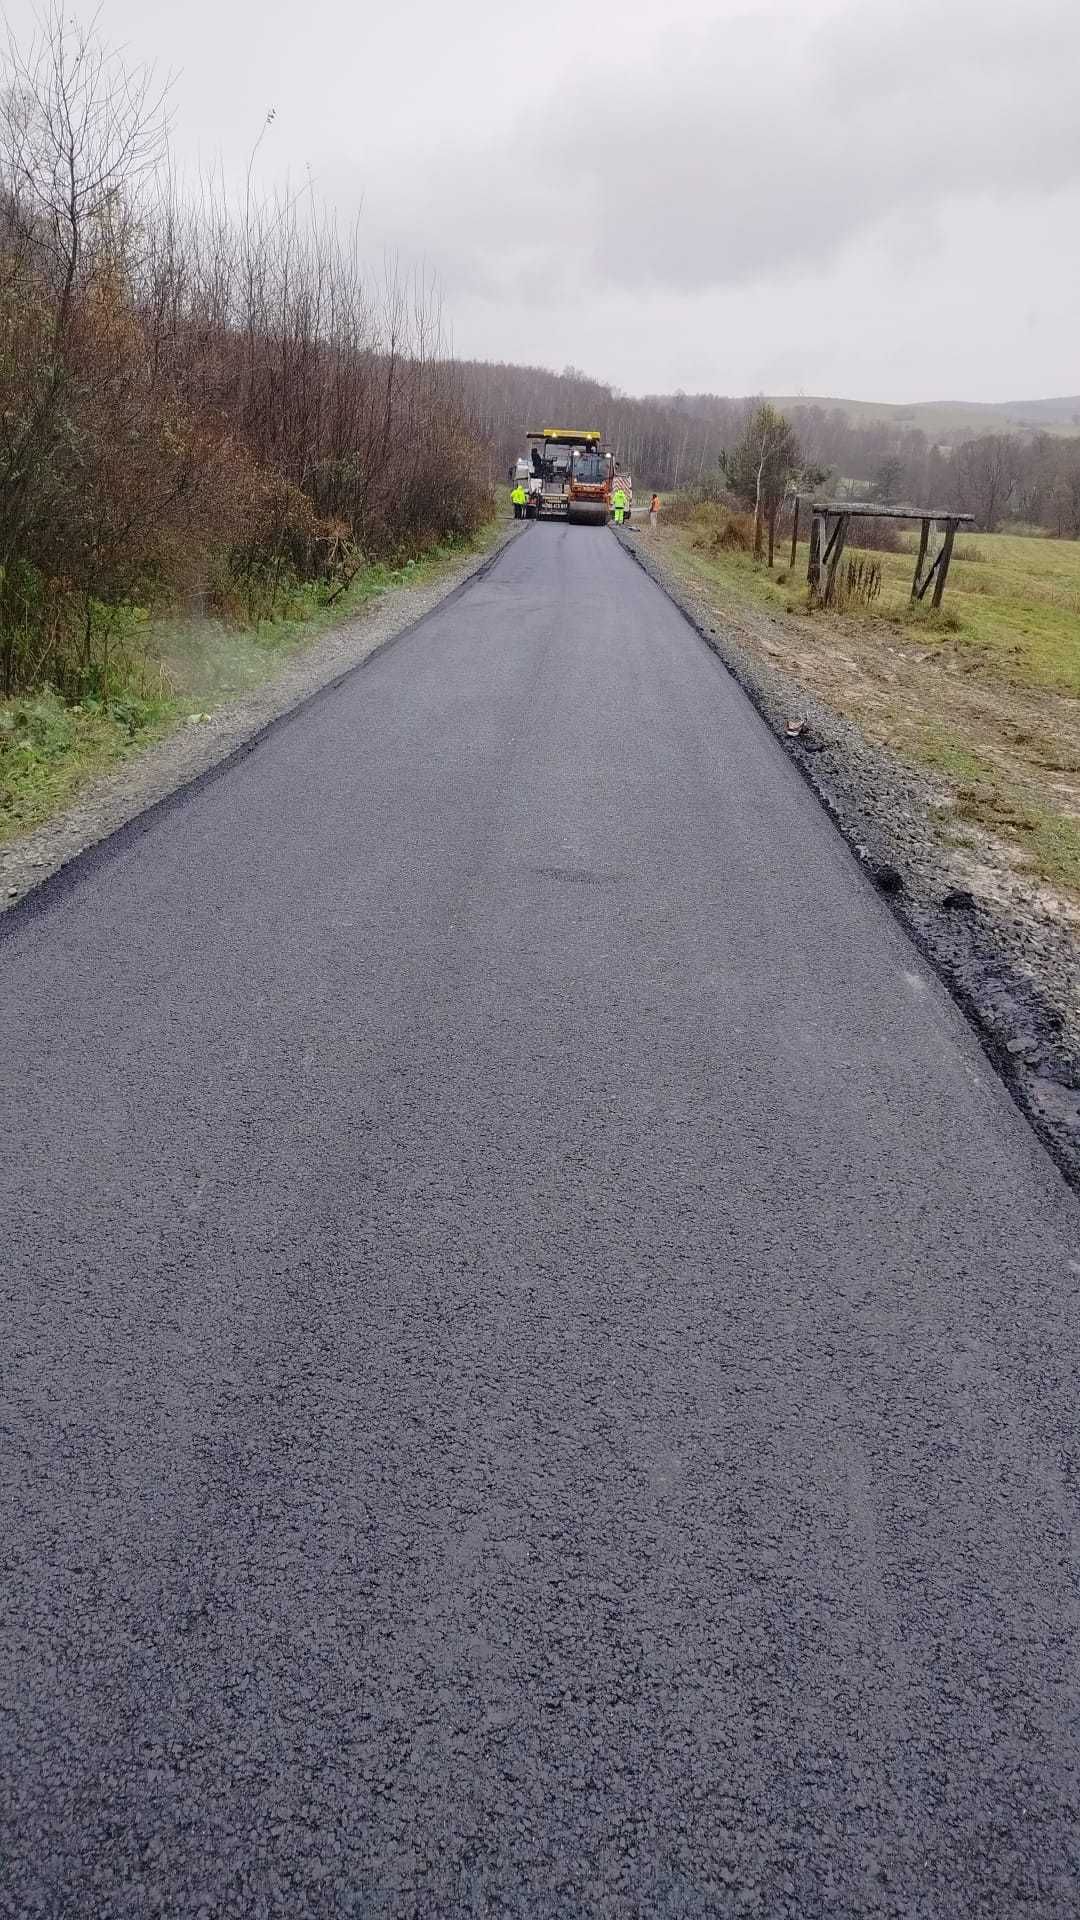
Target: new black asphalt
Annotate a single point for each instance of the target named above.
(540, 1365)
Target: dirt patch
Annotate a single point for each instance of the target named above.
(202, 745)
(1005, 941)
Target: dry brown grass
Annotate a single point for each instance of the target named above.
(1003, 746)
(723, 530)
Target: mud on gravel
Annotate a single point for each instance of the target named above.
(1011, 964)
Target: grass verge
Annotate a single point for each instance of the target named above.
(178, 669)
(984, 695)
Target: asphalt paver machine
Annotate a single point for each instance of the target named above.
(570, 478)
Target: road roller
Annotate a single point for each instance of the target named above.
(570, 478)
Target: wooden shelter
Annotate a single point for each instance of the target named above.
(829, 524)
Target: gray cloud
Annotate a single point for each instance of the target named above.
(725, 158)
(868, 193)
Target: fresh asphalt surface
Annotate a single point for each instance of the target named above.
(540, 1364)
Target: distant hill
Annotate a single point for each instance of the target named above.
(943, 417)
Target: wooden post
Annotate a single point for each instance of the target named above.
(829, 528)
(833, 553)
(813, 571)
(924, 542)
(946, 556)
(795, 535)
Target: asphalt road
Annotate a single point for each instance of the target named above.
(540, 1364)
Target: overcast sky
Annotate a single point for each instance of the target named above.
(873, 198)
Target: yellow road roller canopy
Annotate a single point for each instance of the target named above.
(566, 436)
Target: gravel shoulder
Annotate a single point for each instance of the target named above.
(202, 747)
(1008, 958)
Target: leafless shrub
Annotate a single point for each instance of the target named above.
(736, 534)
(702, 508)
(858, 584)
(191, 397)
(876, 536)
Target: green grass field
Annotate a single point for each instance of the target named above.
(986, 694)
(1016, 602)
(1012, 605)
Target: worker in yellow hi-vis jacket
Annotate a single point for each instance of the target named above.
(520, 499)
(618, 502)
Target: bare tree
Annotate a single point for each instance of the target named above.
(988, 471)
(760, 466)
(78, 130)
(193, 397)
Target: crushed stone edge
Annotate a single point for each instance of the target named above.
(964, 951)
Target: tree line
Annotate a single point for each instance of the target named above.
(197, 401)
(207, 403)
(683, 441)
(1029, 478)
(663, 442)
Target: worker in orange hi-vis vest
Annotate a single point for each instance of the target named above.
(654, 509)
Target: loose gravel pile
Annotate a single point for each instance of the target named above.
(1012, 966)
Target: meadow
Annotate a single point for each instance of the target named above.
(985, 694)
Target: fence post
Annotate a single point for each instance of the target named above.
(813, 571)
(946, 556)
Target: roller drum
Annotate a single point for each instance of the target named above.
(588, 513)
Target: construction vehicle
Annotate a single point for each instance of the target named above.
(570, 478)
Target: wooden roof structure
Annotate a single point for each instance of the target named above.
(829, 524)
(870, 510)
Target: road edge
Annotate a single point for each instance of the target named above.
(1018, 1029)
(39, 867)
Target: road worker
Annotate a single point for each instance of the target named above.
(618, 501)
(520, 500)
(654, 509)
